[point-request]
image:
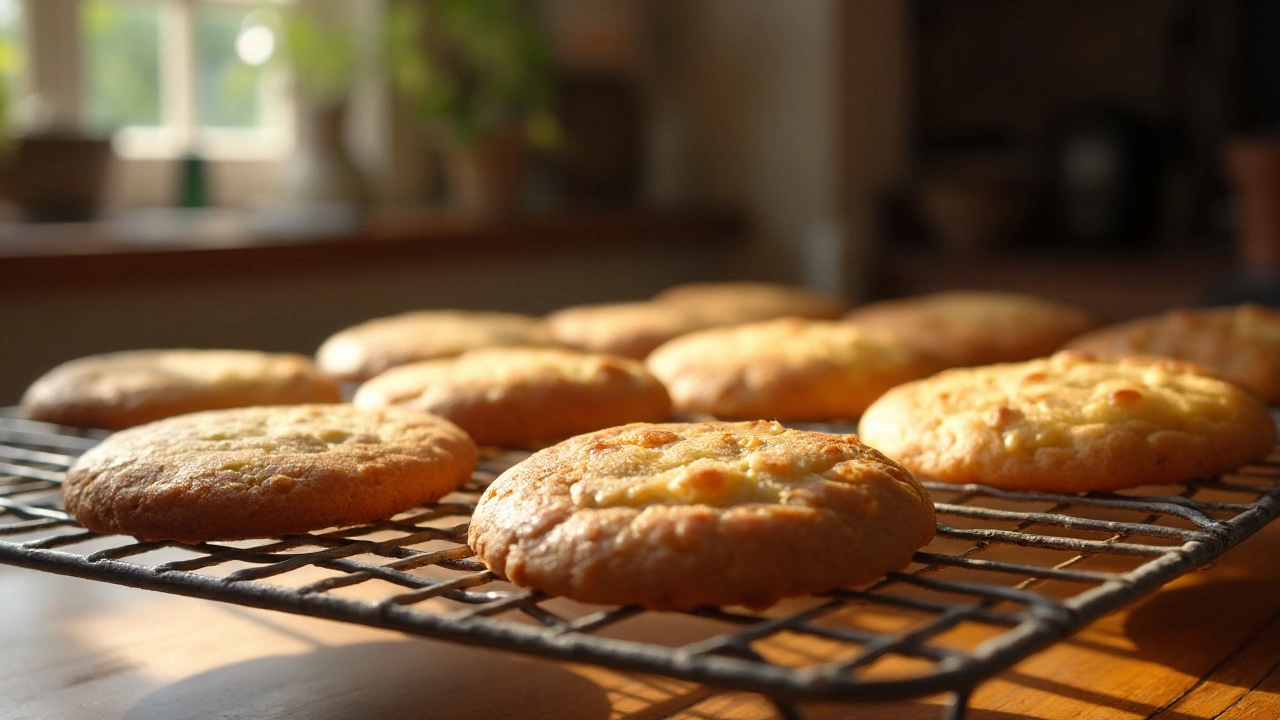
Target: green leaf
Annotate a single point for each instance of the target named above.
(478, 65)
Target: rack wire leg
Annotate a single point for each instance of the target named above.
(787, 710)
(957, 705)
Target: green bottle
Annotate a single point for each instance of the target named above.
(193, 191)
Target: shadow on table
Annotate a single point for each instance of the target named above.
(738, 706)
(1230, 614)
(393, 680)
(1121, 706)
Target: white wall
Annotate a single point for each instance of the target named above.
(758, 81)
(295, 309)
(797, 111)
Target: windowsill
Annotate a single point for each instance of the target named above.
(175, 229)
(165, 246)
(213, 145)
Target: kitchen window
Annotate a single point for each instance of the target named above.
(165, 77)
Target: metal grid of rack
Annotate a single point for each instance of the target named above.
(1008, 574)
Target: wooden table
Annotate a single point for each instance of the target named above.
(1206, 646)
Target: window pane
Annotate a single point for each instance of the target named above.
(122, 62)
(228, 86)
(10, 25)
(11, 54)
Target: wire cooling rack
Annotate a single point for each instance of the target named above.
(1009, 573)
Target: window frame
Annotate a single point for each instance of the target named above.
(56, 24)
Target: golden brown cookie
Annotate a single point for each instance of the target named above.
(976, 328)
(676, 516)
(788, 369)
(1241, 343)
(265, 471)
(523, 397)
(1070, 423)
(362, 351)
(626, 329)
(123, 389)
(732, 303)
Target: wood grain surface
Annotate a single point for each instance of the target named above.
(1206, 646)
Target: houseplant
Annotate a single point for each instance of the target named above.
(482, 70)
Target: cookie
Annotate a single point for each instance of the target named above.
(788, 369)
(1241, 343)
(123, 389)
(733, 303)
(523, 397)
(1070, 423)
(676, 516)
(360, 352)
(265, 472)
(630, 330)
(976, 328)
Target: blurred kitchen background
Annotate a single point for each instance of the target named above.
(219, 173)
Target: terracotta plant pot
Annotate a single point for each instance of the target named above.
(1253, 164)
(56, 176)
(974, 205)
(488, 178)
